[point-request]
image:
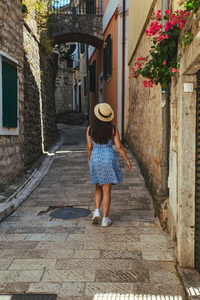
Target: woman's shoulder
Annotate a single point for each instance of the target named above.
(89, 130)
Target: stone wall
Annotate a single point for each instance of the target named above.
(145, 121)
(37, 117)
(39, 90)
(181, 209)
(64, 87)
(177, 213)
(48, 65)
(11, 43)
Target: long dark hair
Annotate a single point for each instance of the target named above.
(101, 132)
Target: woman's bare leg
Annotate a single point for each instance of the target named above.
(98, 196)
(106, 198)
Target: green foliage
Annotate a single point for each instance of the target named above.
(187, 39)
(24, 8)
(193, 5)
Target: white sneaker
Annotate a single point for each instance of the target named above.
(95, 217)
(106, 222)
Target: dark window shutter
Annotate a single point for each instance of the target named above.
(93, 77)
(74, 10)
(109, 56)
(9, 95)
(70, 63)
(82, 48)
(85, 85)
(104, 62)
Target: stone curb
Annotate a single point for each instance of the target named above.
(190, 279)
(12, 202)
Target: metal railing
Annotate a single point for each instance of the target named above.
(76, 7)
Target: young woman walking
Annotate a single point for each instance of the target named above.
(103, 164)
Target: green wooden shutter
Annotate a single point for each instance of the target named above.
(9, 95)
(104, 62)
(109, 56)
(92, 69)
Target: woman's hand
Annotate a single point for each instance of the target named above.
(128, 164)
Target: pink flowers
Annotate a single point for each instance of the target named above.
(162, 38)
(174, 70)
(178, 18)
(154, 28)
(168, 26)
(179, 2)
(161, 63)
(149, 83)
(141, 58)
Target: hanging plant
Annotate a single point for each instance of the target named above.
(162, 62)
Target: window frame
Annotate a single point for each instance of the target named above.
(12, 61)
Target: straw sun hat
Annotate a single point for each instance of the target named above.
(104, 112)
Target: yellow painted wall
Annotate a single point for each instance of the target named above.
(138, 12)
(176, 6)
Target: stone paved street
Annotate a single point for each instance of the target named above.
(74, 259)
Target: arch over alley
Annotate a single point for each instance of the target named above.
(76, 28)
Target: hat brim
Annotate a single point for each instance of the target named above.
(96, 112)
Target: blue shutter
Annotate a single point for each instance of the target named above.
(9, 95)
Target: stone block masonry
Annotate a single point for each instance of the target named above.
(145, 121)
(36, 103)
(11, 43)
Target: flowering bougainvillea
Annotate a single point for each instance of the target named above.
(162, 61)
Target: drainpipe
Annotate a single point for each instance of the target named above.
(164, 192)
(123, 65)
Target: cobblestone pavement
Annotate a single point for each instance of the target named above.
(132, 259)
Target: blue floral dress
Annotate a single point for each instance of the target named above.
(104, 166)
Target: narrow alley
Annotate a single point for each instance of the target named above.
(74, 259)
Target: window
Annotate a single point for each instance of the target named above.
(8, 95)
(92, 69)
(107, 58)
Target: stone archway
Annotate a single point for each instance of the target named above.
(76, 28)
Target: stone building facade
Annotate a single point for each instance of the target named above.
(35, 130)
(178, 209)
(64, 78)
(11, 47)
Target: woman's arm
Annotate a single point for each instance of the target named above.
(89, 145)
(121, 149)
